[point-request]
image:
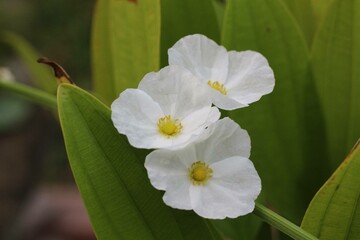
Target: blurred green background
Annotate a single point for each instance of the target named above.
(38, 197)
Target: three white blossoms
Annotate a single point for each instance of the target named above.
(202, 163)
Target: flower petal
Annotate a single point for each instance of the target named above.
(178, 195)
(162, 165)
(135, 114)
(185, 98)
(166, 86)
(202, 56)
(225, 102)
(237, 174)
(178, 91)
(168, 170)
(230, 193)
(222, 140)
(195, 122)
(249, 77)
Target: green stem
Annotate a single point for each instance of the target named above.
(282, 223)
(30, 93)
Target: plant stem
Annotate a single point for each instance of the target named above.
(282, 223)
(30, 93)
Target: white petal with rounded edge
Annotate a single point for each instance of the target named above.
(168, 170)
(195, 122)
(222, 101)
(183, 97)
(249, 78)
(162, 165)
(237, 174)
(135, 114)
(215, 202)
(177, 195)
(230, 193)
(192, 97)
(202, 56)
(176, 90)
(223, 139)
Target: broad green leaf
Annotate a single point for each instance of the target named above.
(334, 213)
(303, 13)
(185, 17)
(219, 8)
(320, 8)
(335, 63)
(112, 179)
(41, 76)
(285, 126)
(125, 44)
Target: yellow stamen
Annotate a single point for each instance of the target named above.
(168, 126)
(218, 86)
(200, 173)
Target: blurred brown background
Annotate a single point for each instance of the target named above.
(38, 197)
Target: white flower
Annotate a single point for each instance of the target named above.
(213, 176)
(168, 110)
(235, 79)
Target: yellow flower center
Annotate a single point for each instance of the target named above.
(168, 126)
(218, 86)
(200, 173)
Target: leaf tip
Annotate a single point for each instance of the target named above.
(59, 72)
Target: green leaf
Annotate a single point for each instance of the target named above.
(334, 213)
(125, 44)
(285, 126)
(335, 61)
(185, 17)
(112, 179)
(219, 8)
(41, 76)
(244, 227)
(320, 8)
(303, 13)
